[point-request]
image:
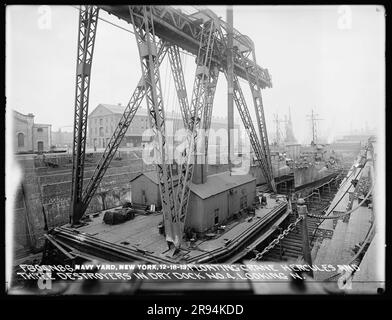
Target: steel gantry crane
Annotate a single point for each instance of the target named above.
(260, 147)
(142, 21)
(200, 110)
(153, 43)
(88, 19)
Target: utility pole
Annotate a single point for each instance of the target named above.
(230, 72)
(313, 119)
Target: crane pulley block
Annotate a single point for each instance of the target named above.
(83, 69)
(145, 50)
(202, 71)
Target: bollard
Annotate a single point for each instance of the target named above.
(303, 211)
(280, 244)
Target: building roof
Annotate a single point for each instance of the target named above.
(220, 182)
(119, 109)
(215, 184)
(30, 115)
(151, 175)
(41, 125)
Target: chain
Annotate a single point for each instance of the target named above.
(274, 242)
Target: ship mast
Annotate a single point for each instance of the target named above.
(314, 119)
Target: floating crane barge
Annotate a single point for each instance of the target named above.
(140, 240)
(160, 31)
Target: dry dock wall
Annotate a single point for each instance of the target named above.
(45, 189)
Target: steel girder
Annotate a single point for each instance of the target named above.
(260, 147)
(184, 173)
(88, 19)
(258, 103)
(199, 107)
(118, 135)
(182, 29)
(179, 82)
(195, 115)
(243, 110)
(209, 103)
(259, 110)
(145, 38)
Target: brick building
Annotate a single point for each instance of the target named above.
(30, 136)
(103, 120)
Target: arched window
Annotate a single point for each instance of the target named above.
(20, 140)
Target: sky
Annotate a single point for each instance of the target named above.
(327, 58)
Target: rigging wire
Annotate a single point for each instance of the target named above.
(346, 189)
(165, 84)
(127, 30)
(347, 212)
(107, 21)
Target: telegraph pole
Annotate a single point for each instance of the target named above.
(230, 71)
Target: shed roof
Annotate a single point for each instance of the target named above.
(215, 184)
(220, 182)
(151, 175)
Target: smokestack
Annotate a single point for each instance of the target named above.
(199, 171)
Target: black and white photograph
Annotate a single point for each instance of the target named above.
(195, 150)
